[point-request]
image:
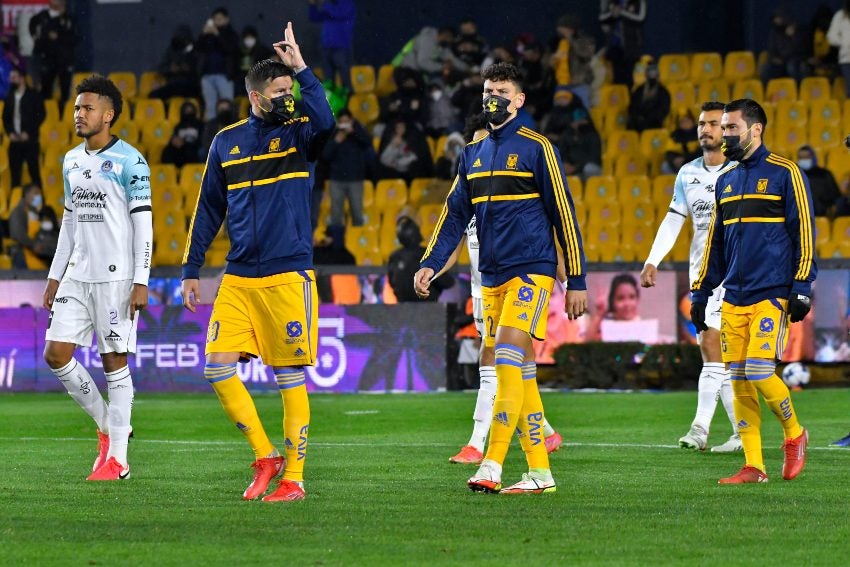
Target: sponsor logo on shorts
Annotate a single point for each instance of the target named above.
(525, 293)
(523, 316)
(766, 325)
(293, 329)
(765, 346)
(113, 336)
(299, 352)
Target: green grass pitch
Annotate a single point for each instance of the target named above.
(381, 490)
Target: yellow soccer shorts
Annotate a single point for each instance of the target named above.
(275, 317)
(521, 302)
(754, 331)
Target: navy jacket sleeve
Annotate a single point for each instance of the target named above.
(800, 224)
(713, 267)
(209, 213)
(451, 226)
(313, 137)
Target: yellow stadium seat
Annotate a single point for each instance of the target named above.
(76, 79)
(53, 156)
(168, 198)
(630, 164)
(614, 96)
(739, 65)
(362, 78)
(419, 190)
(602, 213)
(575, 186)
(53, 185)
(164, 175)
(128, 131)
(748, 88)
(369, 257)
(191, 175)
(639, 70)
(429, 215)
(781, 89)
(155, 136)
(385, 84)
(148, 110)
(361, 238)
(825, 135)
(662, 190)
(55, 133)
(622, 141)
(705, 67)
(713, 90)
(815, 89)
(823, 231)
(841, 229)
(51, 111)
(368, 194)
(126, 83)
(845, 115)
(148, 81)
(791, 113)
(174, 104)
(825, 112)
(364, 107)
(652, 143)
(838, 162)
(682, 94)
(600, 188)
(789, 136)
(637, 239)
(838, 91)
(634, 189)
(673, 67)
(612, 119)
(828, 250)
(390, 193)
(168, 221)
(168, 248)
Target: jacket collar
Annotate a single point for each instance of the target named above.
(508, 129)
(258, 123)
(757, 157)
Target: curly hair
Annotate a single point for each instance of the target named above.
(101, 86)
(503, 72)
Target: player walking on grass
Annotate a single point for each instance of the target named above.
(761, 245)
(99, 275)
(693, 196)
(513, 182)
(258, 176)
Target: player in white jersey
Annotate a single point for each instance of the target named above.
(473, 452)
(99, 275)
(693, 197)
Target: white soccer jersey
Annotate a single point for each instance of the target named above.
(472, 248)
(693, 195)
(102, 190)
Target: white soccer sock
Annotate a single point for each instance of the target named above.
(548, 430)
(727, 397)
(483, 414)
(120, 386)
(82, 388)
(710, 380)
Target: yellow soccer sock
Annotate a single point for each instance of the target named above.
(776, 395)
(239, 406)
(509, 394)
(296, 419)
(530, 425)
(748, 415)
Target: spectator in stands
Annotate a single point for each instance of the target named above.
(559, 119)
(23, 113)
(12, 59)
(34, 227)
(683, 145)
(571, 57)
(404, 153)
(467, 95)
(442, 114)
(330, 250)
(446, 165)
(26, 43)
(538, 85)
(499, 54)
(225, 115)
(403, 263)
(348, 155)
(822, 57)
(337, 18)
(218, 49)
(839, 36)
(252, 50)
(785, 49)
(581, 146)
(185, 143)
(825, 192)
(469, 46)
(179, 67)
(53, 53)
(622, 23)
(650, 102)
(430, 52)
(408, 102)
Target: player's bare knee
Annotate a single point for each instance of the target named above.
(223, 357)
(487, 356)
(710, 345)
(113, 361)
(57, 355)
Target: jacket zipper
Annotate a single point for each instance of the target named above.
(489, 202)
(741, 224)
(254, 200)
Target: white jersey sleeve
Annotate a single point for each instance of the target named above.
(472, 248)
(103, 188)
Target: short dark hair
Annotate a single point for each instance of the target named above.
(503, 72)
(221, 10)
(344, 112)
(712, 105)
(616, 282)
(265, 71)
(751, 111)
(101, 86)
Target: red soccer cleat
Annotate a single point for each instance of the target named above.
(553, 442)
(110, 470)
(287, 491)
(102, 450)
(264, 471)
(469, 455)
(746, 475)
(795, 455)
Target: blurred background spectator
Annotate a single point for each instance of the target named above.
(337, 18)
(23, 114)
(219, 55)
(348, 155)
(55, 37)
(35, 229)
(185, 143)
(824, 189)
(179, 67)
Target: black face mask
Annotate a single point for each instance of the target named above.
(283, 107)
(731, 147)
(225, 116)
(496, 109)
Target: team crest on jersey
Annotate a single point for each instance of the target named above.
(762, 186)
(274, 145)
(235, 150)
(477, 162)
(728, 189)
(512, 160)
(106, 166)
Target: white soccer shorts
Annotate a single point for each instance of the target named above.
(478, 315)
(81, 308)
(713, 308)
